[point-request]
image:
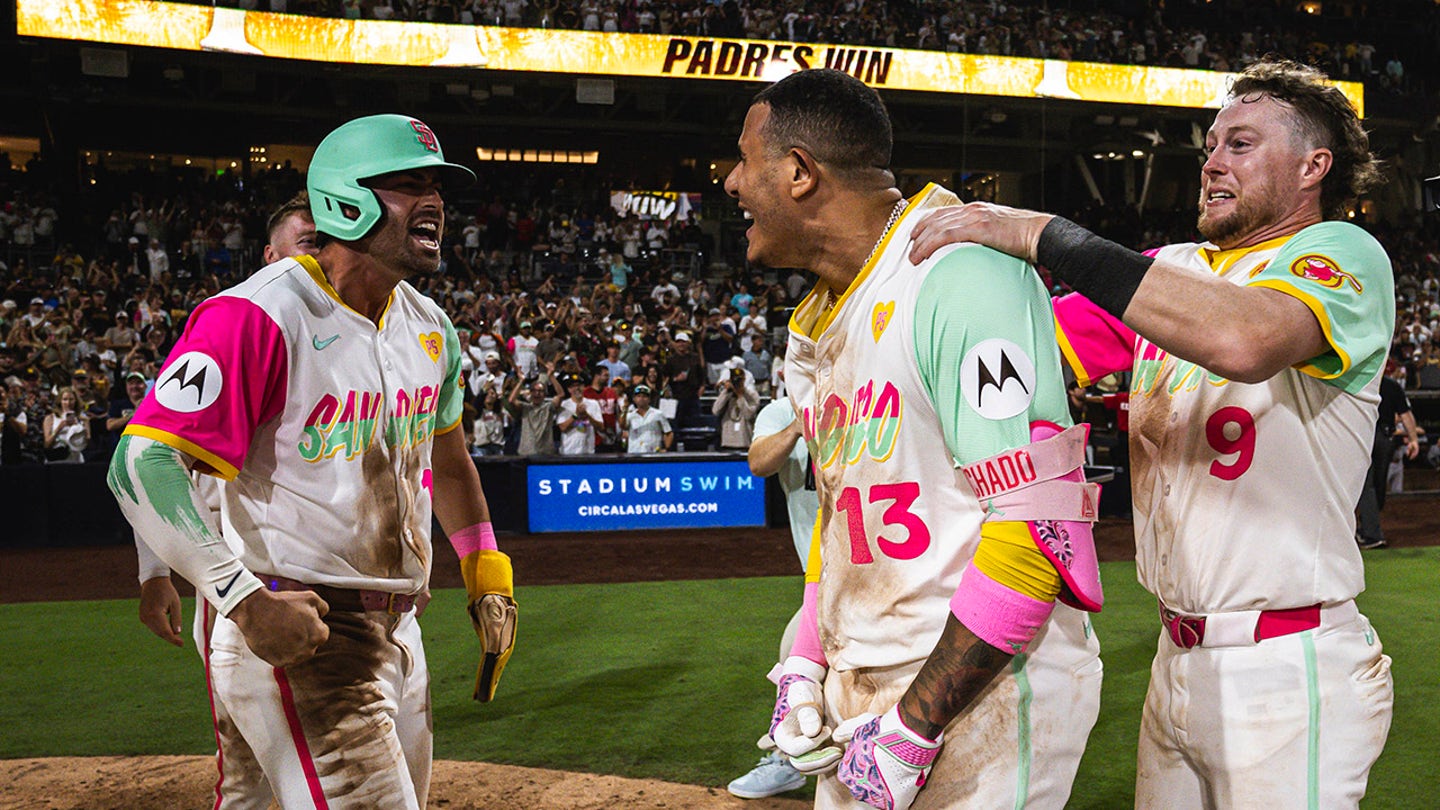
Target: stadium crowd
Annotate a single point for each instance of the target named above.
(562, 306)
(1353, 42)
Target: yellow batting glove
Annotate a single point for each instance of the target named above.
(490, 584)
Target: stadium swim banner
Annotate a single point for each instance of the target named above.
(154, 23)
(644, 495)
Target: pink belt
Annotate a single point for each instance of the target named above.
(1248, 627)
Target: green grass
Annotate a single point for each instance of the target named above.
(659, 680)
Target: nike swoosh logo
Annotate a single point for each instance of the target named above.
(225, 591)
(321, 344)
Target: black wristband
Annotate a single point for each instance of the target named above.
(1093, 266)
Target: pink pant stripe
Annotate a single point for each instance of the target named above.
(302, 748)
(214, 718)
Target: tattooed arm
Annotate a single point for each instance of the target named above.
(957, 671)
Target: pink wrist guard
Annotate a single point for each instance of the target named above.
(807, 635)
(480, 537)
(1001, 617)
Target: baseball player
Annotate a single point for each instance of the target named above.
(325, 391)
(1252, 409)
(291, 232)
(952, 517)
(778, 449)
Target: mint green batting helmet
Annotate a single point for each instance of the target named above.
(362, 149)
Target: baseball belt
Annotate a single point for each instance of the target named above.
(1246, 628)
(346, 600)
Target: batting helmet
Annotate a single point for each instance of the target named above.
(362, 149)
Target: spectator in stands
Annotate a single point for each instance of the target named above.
(618, 269)
(645, 429)
(759, 363)
(490, 426)
(67, 431)
(36, 314)
(630, 339)
(121, 337)
(717, 344)
(742, 299)
(685, 372)
(493, 377)
(14, 425)
(523, 348)
(611, 362)
(158, 261)
(551, 345)
(121, 410)
(606, 399)
(664, 294)
(736, 403)
(578, 420)
(536, 406)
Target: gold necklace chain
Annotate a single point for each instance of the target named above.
(890, 223)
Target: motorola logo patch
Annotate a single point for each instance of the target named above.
(191, 383)
(998, 379)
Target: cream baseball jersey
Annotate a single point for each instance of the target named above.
(909, 372)
(320, 422)
(1244, 494)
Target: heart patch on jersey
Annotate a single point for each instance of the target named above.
(431, 343)
(191, 383)
(880, 318)
(1325, 271)
(997, 378)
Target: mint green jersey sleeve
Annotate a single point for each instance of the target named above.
(986, 350)
(1343, 275)
(452, 401)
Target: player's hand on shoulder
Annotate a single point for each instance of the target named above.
(283, 628)
(160, 609)
(1009, 230)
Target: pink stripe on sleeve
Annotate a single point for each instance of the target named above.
(245, 363)
(1100, 343)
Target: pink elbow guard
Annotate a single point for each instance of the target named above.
(1001, 617)
(480, 537)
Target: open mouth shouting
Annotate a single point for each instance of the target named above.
(427, 235)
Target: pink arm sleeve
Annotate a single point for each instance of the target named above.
(807, 635)
(225, 377)
(1093, 341)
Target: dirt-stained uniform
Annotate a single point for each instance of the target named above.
(322, 425)
(910, 373)
(1269, 688)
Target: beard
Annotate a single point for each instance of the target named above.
(1251, 212)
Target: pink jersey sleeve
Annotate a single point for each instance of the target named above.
(1093, 341)
(225, 377)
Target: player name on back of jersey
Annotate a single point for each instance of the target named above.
(998, 475)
